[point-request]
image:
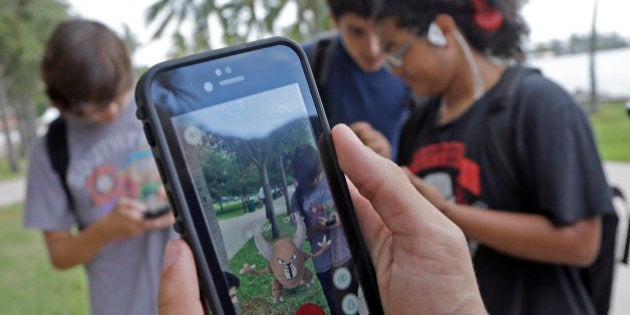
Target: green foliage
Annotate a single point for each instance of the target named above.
(612, 130)
(24, 28)
(240, 20)
(28, 283)
(229, 210)
(5, 170)
(224, 175)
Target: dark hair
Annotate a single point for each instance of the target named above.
(363, 8)
(232, 280)
(506, 42)
(85, 62)
(305, 164)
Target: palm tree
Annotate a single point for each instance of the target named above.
(313, 17)
(240, 20)
(594, 101)
(199, 13)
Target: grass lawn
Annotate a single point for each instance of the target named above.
(6, 173)
(612, 130)
(255, 291)
(230, 210)
(28, 283)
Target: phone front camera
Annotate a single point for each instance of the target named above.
(208, 86)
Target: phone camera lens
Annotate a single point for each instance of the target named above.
(218, 72)
(208, 86)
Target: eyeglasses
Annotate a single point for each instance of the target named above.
(395, 59)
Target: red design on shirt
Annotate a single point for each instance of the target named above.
(104, 185)
(449, 155)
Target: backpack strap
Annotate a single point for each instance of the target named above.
(622, 209)
(58, 153)
(320, 61)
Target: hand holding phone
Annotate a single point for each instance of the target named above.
(222, 125)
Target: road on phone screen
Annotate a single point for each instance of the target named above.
(237, 231)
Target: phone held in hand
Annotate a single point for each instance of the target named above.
(225, 123)
(154, 213)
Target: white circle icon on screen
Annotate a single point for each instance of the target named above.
(192, 135)
(350, 304)
(208, 86)
(342, 278)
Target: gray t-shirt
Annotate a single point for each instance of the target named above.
(107, 162)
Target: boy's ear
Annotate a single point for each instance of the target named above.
(447, 26)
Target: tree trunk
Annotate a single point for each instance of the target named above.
(29, 126)
(594, 99)
(285, 189)
(13, 160)
(269, 210)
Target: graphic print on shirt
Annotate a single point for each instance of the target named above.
(119, 166)
(318, 204)
(446, 167)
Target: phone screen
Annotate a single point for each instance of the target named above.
(245, 137)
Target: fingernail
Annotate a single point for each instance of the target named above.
(170, 254)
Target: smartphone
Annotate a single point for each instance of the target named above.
(225, 123)
(154, 213)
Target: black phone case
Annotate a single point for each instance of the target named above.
(190, 225)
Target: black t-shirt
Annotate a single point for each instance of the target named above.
(560, 176)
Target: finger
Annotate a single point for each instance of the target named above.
(383, 183)
(360, 126)
(370, 222)
(372, 138)
(413, 178)
(132, 208)
(179, 289)
(364, 132)
(160, 222)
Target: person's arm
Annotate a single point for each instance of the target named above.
(67, 250)
(523, 235)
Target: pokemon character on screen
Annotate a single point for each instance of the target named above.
(286, 260)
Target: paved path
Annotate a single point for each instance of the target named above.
(618, 174)
(237, 231)
(12, 191)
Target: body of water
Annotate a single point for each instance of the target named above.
(572, 72)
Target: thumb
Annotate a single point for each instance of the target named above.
(179, 287)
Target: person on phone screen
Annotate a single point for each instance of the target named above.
(111, 176)
(420, 257)
(530, 236)
(313, 202)
(355, 87)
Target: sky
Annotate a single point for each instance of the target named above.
(548, 19)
